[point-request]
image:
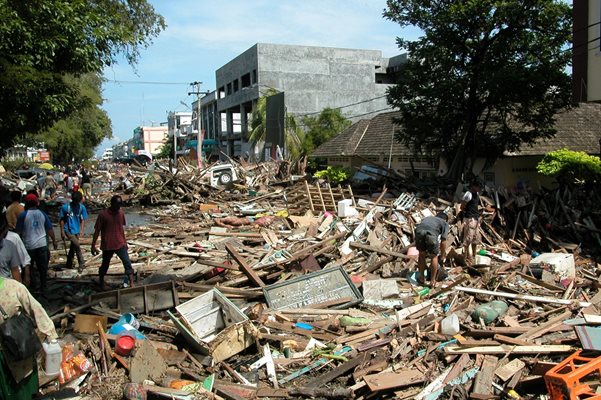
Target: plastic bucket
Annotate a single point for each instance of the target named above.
(450, 325)
(412, 252)
(125, 343)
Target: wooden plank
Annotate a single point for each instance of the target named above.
(509, 340)
(338, 371)
(362, 246)
(390, 380)
(506, 349)
(508, 370)
(538, 299)
(250, 273)
(546, 327)
(484, 378)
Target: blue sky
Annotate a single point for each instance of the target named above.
(203, 35)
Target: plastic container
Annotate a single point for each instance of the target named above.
(412, 251)
(53, 356)
(450, 325)
(125, 343)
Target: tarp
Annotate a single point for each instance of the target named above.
(46, 166)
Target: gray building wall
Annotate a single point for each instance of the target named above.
(312, 78)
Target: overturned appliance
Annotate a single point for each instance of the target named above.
(214, 326)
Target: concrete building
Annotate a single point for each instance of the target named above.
(179, 124)
(586, 51)
(311, 78)
(149, 138)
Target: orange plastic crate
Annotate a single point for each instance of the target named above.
(565, 381)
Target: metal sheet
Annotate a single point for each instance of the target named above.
(314, 288)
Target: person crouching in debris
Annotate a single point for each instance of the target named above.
(430, 239)
(109, 226)
(471, 220)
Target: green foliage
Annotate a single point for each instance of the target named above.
(329, 123)
(74, 139)
(333, 174)
(485, 77)
(45, 41)
(567, 166)
(13, 165)
(166, 150)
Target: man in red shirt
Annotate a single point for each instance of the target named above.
(109, 226)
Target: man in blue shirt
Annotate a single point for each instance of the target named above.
(72, 220)
(35, 226)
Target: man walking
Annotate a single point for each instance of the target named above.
(430, 239)
(471, 220)
(35, 226)
(109, 226)
(72, 221)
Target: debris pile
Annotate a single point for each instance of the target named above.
(307, 291)
(264, 286)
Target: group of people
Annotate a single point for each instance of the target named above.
(432, 232)
(25, 234)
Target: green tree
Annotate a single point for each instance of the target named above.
(258, 126)
(323, 127)
(44, 41)
(486, 76)
(75, 137)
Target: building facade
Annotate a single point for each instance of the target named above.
(179, 125)
(311, 78)
(149, 138)
(586, 51)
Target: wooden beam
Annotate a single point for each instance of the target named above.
(246, 269)
(506, 349)
(361, 246)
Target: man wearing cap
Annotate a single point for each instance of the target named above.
(109, 226)
(430, 239)
(471, 220)
(35, 226)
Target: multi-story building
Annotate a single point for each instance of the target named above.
(179, 124)
(586, 51)
(149, 138)
(311, 78)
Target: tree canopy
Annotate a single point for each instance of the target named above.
(43, 42)
(75, 137)
(323, 127)
(485, 77)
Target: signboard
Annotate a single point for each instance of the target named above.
(314, 288)
(43, 156)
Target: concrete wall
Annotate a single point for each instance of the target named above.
(314, 78)
(516, 171)
(594, 52)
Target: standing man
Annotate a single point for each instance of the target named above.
(14, 209)
(430, 239)
(9, 257)
(86, 183)
(109, 226)
(73, 217)
(50, 185)
(471, 220)
(35, 227)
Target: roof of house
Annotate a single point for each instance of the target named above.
(578, 129)
(366, 137)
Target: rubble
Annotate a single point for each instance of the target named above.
(278, 287)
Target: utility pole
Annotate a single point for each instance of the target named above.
(196, 90)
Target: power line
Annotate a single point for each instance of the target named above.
(147, 82)
(344, 106)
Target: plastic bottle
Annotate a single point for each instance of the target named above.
(489, 311)
(54, 356)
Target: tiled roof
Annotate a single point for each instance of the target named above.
(578, 129)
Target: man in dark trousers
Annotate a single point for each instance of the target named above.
(109, 226)
(471, 220)
(430, 239)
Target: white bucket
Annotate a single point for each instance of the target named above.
(54, 356)
(450, 325)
